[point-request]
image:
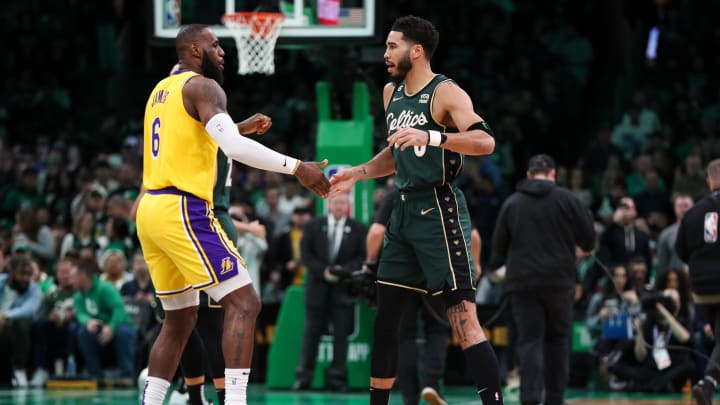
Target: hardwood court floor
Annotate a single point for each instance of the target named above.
(455, 395)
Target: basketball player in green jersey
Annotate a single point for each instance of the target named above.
(426, 249)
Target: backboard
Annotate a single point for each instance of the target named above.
(305, 20)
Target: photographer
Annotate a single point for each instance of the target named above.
(654, 363)
(329, 245)
(697, 245)
(617, 297)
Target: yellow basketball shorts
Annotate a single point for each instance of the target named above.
(184, 246)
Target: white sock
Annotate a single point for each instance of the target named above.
(236, 381)
(154, 392)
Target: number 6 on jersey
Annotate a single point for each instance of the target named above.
(155, 145)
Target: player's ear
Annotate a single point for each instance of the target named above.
(417, 51)
(195, 49)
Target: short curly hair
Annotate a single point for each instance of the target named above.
(419, 31)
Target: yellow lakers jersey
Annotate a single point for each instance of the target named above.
(178, 152)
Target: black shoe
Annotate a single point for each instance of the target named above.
(301, 385)
(703, 393)
(337, 387)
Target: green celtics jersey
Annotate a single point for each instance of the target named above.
(420, 167)
(221, 192)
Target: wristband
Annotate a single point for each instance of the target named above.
(434, 138)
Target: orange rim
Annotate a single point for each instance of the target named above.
(245, 16)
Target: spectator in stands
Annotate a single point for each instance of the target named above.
(285, 258)
(653, 198)
(103, 321)
(114, 268)
(82, 235)
(117, 236)
(251, 244)
(630, 135)
(38, 239)
(613, 190)
(579, 188)
(128, 181)
(91, 198)
(292, 197)
(20, 299)
(636, 179)
(622, 240)
(138, 296)
(24, 195)
(692, 179)
(55, 327)
(140, 287)
(600, 151)
(667, 256)
(270, 210)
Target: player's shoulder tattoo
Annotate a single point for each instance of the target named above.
(211, 91)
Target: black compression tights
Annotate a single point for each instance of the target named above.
(393, 304)
(205, 339)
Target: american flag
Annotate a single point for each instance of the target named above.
(352, 17)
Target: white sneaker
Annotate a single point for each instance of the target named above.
(176, 398)
(40, 377)
(512, 381)
(432, 397)
(20, 379)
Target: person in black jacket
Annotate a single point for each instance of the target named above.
(697, 245)
(536, 233)
(328, 242)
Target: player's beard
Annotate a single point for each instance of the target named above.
(210, 70)
(401, 69)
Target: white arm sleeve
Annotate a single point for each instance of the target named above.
(224, 131)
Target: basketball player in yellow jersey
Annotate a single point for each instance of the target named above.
(186, 250)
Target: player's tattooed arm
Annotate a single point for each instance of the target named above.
(204, 98)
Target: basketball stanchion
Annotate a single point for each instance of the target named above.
(255, 35)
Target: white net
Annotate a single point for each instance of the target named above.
(255, 35)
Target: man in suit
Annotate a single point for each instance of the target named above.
(622, 239)
(334, 240)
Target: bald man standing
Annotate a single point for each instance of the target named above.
(185, 247)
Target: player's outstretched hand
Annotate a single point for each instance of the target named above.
(256, 124)
(342, 181)
(310, 175)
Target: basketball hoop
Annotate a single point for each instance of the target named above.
(255, 34)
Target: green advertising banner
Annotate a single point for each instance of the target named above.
(285, 349)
